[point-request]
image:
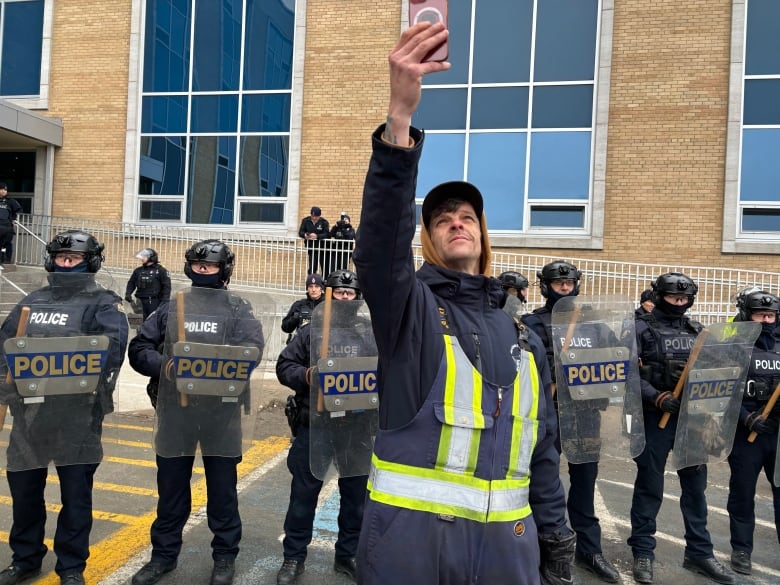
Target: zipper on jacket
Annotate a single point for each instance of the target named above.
(498, 404)
(478, 356)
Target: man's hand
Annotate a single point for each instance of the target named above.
(666, 402)
(129, 298)
(758, 424)
(407, 70)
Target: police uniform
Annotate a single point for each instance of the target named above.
(207, 421)
(746, 459)
(63, 429)
(342, 242)
(9, 209)
(291, 368)
(582, 476)
(152, 285)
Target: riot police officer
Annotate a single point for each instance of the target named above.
(301, 310)
(65, 428)
(294, 371)
(557, 280)
(748, 458)
(211, 316)
(665, 337)
(150, 281)
(515, 285)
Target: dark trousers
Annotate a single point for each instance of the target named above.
(582, 514)
(175, 504)
(148, 305)
(74, 522)
(318, 261)
(304, 491)
(6, 237)
(746, 462)
(649, 493)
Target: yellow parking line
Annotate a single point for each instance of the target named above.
(108, 555)
(96, 514)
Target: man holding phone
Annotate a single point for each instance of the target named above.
(455, 374)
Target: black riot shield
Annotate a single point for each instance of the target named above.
(712, 393)
(343, 398)
(597, 378)
(213, 342)
(62, 346)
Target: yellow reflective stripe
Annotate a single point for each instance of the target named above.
(476, 395)
(445, 439)
(525, 406)
(448, 493)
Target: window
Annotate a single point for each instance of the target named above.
(516, 115)
(21, 48)
(216, 103)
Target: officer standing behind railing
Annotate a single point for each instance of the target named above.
(150, 281)
(64, 429)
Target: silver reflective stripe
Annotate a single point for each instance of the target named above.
(462, 436)
(527, 397)
(434, 491)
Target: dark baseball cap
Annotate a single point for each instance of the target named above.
(647, 295)
(3, 186)
(316, 210)
(460, 190)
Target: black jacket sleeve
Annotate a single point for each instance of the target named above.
(132, 282)
(145, 352)
(293, 317)
(293, 362)
(165, 285)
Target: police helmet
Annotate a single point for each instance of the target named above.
(211, 251)
(757, 301)
(674, 283)
(555, 270)
(147, 255)
(512, 279)
(343, 279)
(75, 241)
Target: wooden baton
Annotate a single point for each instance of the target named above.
(21, 329)
(767, 409)
(681, 380)
(325, 341)
(183, 400)
(567, 340)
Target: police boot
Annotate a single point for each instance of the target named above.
(710, 568)
(643, 570)
(346, 566)
(289, 572)
(72, 579)
(223, 572)
(152, 572)
(13, 575)
(598, 565)
(740, 562)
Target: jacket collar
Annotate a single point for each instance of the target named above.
(461, 287)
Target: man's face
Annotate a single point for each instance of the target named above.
(648, 306)
(763, 316)
(342, 293)
(456, 237)
(314, 291)
(563, 286)
(315, 218)
(3, 192)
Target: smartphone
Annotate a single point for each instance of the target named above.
(432, 11)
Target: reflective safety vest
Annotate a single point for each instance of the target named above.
(484, 436)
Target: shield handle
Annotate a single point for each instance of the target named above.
(325, 341)
(21, 329)
(765, 413)
(684, 376)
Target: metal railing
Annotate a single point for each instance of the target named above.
(279, 264)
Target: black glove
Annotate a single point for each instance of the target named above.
(756, 423)
(667, 403)
(556, 556)
(151, 390)
(129, 298)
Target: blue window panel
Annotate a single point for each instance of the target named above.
(557, 217)
(217, 45)
(497, 168)
(272, 213)
(161, 210)
(442, 160)
(441, 109)
(162, 165)
(761, 220)
(502, 42)
(266, 113)
(760, 173)
(499, 108)
(164, 114)
(211, 179)
(762, 43)
(560, 165)
(214, 113)
(167, 46)
(565, 40)
(761, 100)
(268, 45)
(264, 166)
(563, 106)
(20, 73)
(459, 25)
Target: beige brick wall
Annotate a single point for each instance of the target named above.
(89, 73)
